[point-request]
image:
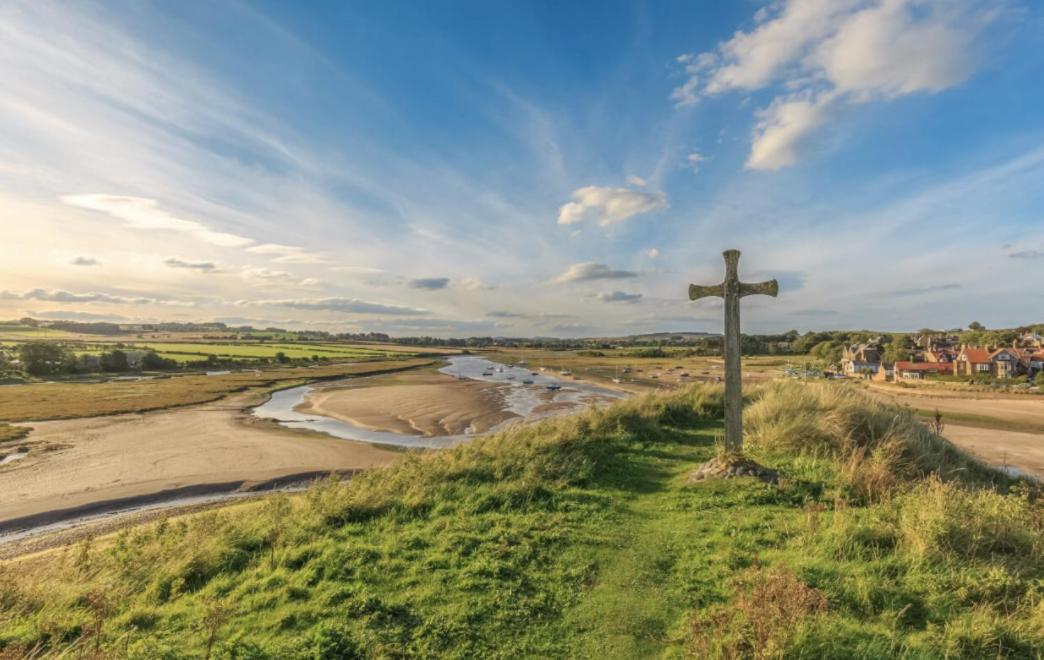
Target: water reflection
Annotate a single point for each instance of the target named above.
(527, 392)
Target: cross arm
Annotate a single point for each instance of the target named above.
(696, 291)
(770, 288)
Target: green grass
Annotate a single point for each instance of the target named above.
(190, 350)
(579, 538)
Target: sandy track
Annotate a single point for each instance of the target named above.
(124, 456)
(418, 402)
(1025, 409)
(1024, 451)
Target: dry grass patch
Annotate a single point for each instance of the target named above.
(760, 621)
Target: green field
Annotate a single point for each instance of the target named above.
(191, 351)
(580, 538)
(225, 351)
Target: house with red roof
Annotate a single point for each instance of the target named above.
(998, 363)
(973, 361)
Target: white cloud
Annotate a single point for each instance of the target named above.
(591, 271)
(784, 128)
(63, 296)
(143, 213)
(652, 252)
(609, 205)
(693, 160)
(361, 270)
(636, 181)
(475, 284)
(259, 272)
(287, 254)
(833, 52)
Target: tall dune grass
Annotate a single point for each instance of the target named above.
(877, 448)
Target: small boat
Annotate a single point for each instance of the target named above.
(617, 381)
(565, 372)
(527, 381)
(511, 378)
(487, 373)
(533, 373)
(500, 369)
(554, 387)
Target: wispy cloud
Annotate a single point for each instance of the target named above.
(917, 291)
(287, 254)
(591, 271)
(1027, 254)
(142, 213)
(85, 261)
(347, 305)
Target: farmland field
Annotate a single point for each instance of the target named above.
(639, 373)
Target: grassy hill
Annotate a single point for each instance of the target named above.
(580, 537)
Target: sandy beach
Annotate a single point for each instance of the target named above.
(417, 403)
(1026, 409)
(100, 459)
(1024, 451)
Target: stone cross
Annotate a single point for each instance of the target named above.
(732, 290)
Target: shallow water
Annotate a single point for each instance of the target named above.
(520, 399)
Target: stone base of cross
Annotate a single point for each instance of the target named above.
(732, 290)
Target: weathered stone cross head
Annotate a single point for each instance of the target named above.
(732, 290)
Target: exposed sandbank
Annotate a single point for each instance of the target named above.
(417, 403)
(100, 459)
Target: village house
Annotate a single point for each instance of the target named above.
(861, 360)
(885, 374)
(918, 370)
(998, 363)
(973, 361)
(1005, 362)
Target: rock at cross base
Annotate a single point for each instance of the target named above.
(732, 467)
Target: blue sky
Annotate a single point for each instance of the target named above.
(522, 168)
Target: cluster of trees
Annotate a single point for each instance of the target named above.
(41, 358)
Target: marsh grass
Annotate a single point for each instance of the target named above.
(578, 537)
(63, 400)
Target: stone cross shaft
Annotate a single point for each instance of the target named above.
(732, 290)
